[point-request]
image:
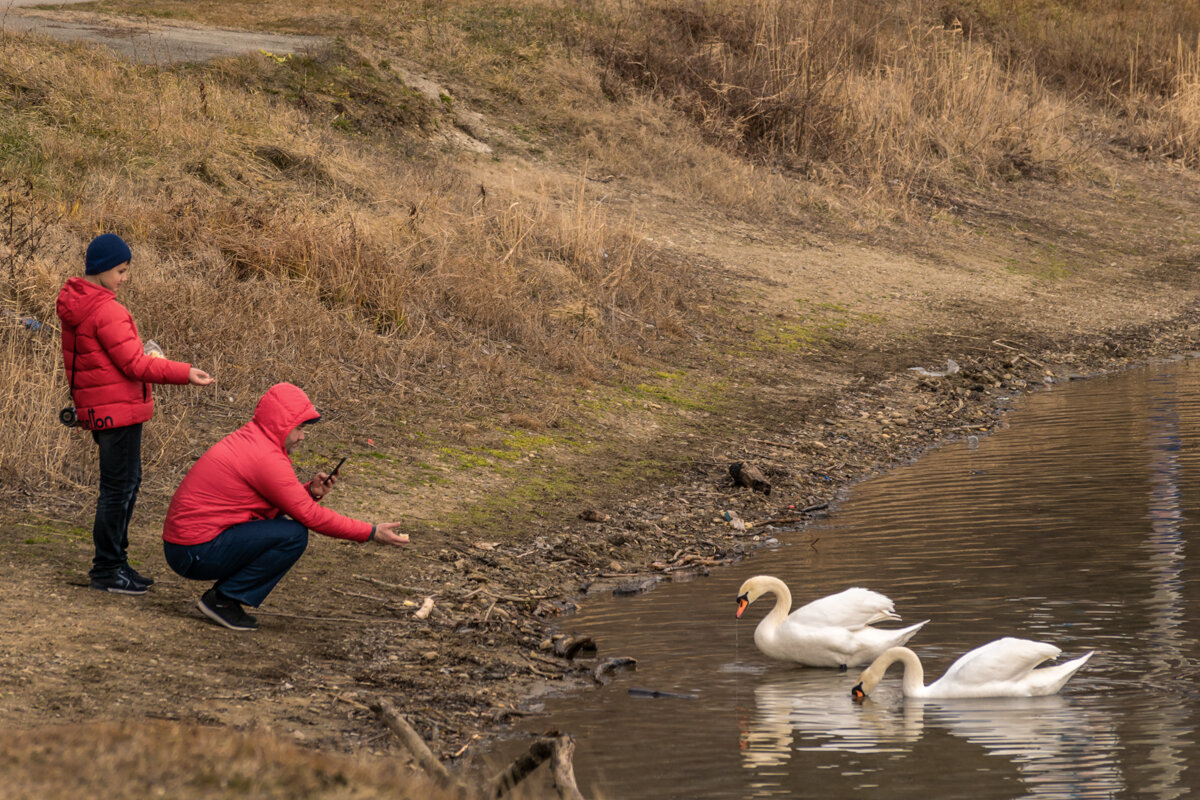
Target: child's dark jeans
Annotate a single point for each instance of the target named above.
(245, 560)
(120, 477)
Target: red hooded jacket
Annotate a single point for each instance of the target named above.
(105, 361)
(248, 475)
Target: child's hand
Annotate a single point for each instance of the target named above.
(198, 377)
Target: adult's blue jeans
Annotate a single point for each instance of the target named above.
(245, 560)
(120, 479)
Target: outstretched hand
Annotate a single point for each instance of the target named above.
(198, 377)
(385, 533)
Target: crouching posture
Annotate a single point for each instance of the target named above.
(241, 517)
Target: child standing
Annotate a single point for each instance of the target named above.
(108, 372)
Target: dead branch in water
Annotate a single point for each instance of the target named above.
(559, 749)
(420, 751)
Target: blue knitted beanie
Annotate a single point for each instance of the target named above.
(105, 252)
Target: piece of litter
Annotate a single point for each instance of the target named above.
(425, 609)
(951, 369)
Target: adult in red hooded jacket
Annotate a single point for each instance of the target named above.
(241, 517)
(109, 374)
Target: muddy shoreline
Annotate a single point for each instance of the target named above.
(340, 633)
(869, 429)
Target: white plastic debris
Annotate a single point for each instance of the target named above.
(951, 369)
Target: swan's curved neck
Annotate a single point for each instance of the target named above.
(914, 673)
(783, 600)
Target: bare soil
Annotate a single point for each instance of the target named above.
(141, 39)
(810, 338)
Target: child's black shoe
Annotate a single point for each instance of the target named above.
(118, 583)
(137, 577)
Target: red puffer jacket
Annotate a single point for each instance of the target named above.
(105, 360)
(248, 476)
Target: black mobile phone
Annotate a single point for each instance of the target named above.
(335, 470)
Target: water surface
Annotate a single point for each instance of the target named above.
(1070, 526)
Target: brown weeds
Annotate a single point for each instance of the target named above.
(265, 250)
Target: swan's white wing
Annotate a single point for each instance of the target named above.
(1006, 659)
(851, 609)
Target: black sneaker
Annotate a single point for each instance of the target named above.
(136, 576)
(117, 582)
(225, 611)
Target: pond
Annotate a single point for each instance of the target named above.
(1070, 526)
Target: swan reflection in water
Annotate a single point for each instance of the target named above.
(1058, 749)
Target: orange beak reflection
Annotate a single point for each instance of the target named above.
(742, 601)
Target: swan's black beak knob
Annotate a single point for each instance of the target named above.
(857, 693)
(743, 601)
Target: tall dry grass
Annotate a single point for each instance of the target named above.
(1136, 57)
(878, 96)
(268, 249)
(896, 98)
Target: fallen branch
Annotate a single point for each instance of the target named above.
(612, 665)
(412, 740)
(398, 587)
(775, 444)
(328, 619)
(750, 476)
(458, 753)
(777, 521)
(373, 597)
(351, 702)
(559, 750)
(570, 646)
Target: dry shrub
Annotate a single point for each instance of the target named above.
(889, 100)
(1103, 49)
(1137, 57)
(1172, 125)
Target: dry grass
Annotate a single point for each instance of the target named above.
(267, 249)
(291, 221)
(895, 104)
(901, 98)
(187, 762)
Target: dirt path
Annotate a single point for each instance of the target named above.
(142, 40)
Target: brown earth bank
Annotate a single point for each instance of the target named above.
(1031, 289)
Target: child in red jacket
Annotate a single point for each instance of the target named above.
(108, 372)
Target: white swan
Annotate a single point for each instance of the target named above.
(1003, 668)
(834, 631)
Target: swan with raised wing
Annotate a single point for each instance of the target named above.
(834, 631)
(1003, 668)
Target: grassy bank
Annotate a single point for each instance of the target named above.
(302, 217)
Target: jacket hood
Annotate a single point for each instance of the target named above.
(79, 298)
(281, 409)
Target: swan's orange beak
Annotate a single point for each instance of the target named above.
(857, 693)
(743, 601)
